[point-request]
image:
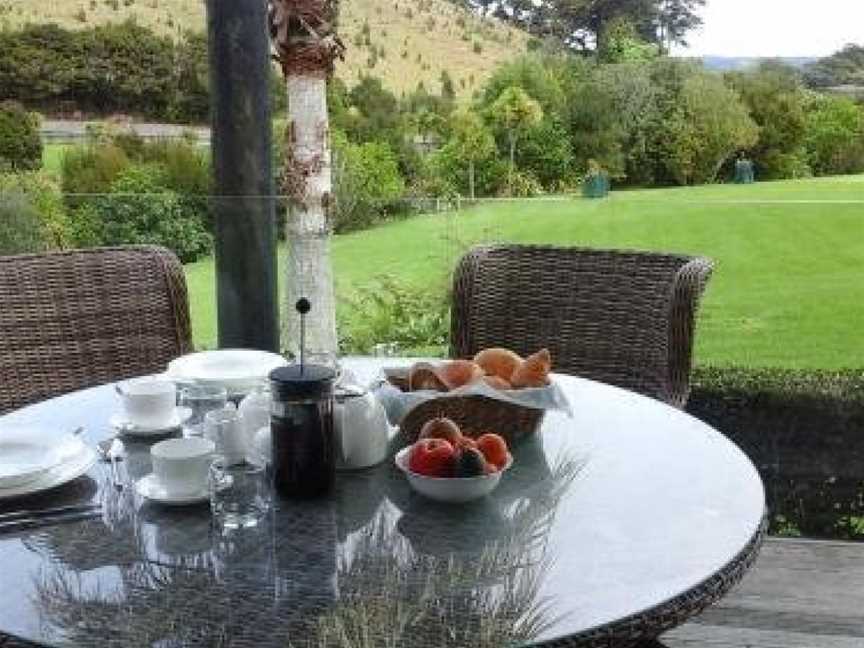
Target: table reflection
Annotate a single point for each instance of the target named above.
(373, 565)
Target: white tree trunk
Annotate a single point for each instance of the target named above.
(309, 271)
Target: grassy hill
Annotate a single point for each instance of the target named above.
(401, 41)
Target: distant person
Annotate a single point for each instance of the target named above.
(744, 170)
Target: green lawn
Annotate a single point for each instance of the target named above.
(788, 288)
(52, 156)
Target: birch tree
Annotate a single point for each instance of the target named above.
(305, 44)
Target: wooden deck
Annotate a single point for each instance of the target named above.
(800, 594)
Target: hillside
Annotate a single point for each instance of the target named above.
(406, 41)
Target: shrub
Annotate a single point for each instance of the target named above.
(416, 320)
(21, 228)
(523, 185)
(140, 209)
(42, 194)
(91, 169)
(20, 144)
(367, 184)
(835, 136)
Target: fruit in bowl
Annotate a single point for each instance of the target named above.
(453, 467)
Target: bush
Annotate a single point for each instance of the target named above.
(20, 143)
(802, 429)
(140, 209)
(118, 67)
(390, 312)
(92, 169)
(42, 194)
(524, 185)
(21, 228)
(835, 136)
(367, 185)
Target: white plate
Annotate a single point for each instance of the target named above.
(123, 425)
(238, 370)
(75, 459)
(149, 488)
(23, 459)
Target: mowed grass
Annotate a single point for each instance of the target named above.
(52, 156)
(788, 289)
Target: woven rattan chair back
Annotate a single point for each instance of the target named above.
(70, 320)
(623, 318)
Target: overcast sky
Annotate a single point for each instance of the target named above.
(777, 27)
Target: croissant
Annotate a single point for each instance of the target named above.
(423, 376)
(534, 371)
(498, 362)
(458, 373)
(496, 382)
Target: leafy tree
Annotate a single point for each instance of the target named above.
(845, 67)
(835, 136)
(580, 23)
(545, 153)
(710, 124)
(514, 111)
(776, 99)
(20, 143)
(619, 43)
(592, 119)
(675, 19)
(540, 77)
(366, 183)
(472, 143)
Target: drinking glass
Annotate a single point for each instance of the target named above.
(201, 399)
(239, 494)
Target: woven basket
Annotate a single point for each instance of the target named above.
(475, 415)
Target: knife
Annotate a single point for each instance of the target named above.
(47, 520)
(46, 512)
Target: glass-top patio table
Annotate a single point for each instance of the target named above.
(612, 526)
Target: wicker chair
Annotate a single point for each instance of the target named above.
(75, 319)
(624, 318)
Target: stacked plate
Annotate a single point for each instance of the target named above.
(238, 370)
(33, 460)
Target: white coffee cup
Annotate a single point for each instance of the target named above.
(182, 466)
(149, 402)
(225, 429)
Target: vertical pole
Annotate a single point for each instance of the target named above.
(245, 226)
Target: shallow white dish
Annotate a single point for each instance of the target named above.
(450, 489)
(74, 460)
(23, 459)
(238, 370)
(123, 425)
(149, 488)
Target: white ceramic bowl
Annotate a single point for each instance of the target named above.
(450, 489)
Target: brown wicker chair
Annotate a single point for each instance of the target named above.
(624, 318)
(70, 320)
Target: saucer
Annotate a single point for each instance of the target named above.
(120, 423)
(149, 488)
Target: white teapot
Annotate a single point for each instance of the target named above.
(361, 430)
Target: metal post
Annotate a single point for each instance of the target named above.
(245, 226)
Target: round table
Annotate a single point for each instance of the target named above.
(612, 526)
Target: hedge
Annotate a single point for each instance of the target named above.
(803, 431)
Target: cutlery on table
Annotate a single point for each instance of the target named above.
(21, 520)
(47, 512)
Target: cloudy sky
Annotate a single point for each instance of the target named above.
(777, 27)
